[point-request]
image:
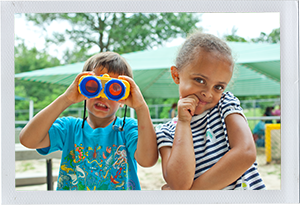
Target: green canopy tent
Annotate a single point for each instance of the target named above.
(257, 73)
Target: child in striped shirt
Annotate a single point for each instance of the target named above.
(209, 146)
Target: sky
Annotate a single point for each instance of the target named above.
(248, 25)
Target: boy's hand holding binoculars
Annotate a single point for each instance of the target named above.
(72, 95)
(122, 89)
(135, 100)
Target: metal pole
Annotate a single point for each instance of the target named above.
(49, 175)
(254, 108)
(30, 109)
(131, 112)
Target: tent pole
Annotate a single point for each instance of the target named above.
(132, 113)
(30, 109)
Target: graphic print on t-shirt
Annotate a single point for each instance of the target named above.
(210, 135)
(95, 168)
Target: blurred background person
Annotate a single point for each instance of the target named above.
(172, 111)
(276, 112)
(268, 112)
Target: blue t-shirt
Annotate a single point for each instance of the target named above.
(94, 159)
(259, 129)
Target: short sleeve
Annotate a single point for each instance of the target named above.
(131, 136)
(165, 134)
(57, 134)
(229, 104)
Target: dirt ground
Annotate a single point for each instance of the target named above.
(151, 178)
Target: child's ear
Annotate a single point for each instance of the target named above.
(175, 74)
(121, 105)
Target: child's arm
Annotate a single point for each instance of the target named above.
(235, 162)
(35, 134)
(178, 161)
(146, 153)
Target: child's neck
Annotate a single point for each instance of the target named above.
(97, 122)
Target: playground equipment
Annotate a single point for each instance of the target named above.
(272, 142)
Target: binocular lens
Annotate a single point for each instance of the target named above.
(91, 86)
(115, 89)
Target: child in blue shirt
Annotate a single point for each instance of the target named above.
(99, 152)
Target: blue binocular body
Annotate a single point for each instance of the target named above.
(103, 86)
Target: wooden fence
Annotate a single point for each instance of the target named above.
(23, 153)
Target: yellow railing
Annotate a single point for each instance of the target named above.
(268, 140)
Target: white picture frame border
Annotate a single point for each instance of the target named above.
(289, 27)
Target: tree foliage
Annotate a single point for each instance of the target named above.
(273, 37)
(32, 59)
(42, 94)
(119, 32)
(233, 37)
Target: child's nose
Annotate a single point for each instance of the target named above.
(206, 93)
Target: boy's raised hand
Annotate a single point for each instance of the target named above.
(186, 107)
(146, 153)
(72, 94)
(135, 100)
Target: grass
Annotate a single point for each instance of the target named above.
(25, 167)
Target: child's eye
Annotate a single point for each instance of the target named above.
(200, 80)
(219, 87)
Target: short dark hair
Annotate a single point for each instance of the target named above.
(113, 62)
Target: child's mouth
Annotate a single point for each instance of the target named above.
(202, 102)
(101, 106)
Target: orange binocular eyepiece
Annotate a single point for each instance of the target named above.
(103, 86)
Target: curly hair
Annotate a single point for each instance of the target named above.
(201, 41)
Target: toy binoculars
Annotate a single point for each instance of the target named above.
(103, 86)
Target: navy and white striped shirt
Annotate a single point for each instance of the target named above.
(211, 141)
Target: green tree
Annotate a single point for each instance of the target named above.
(119, 32)
(233, 37)
(273, 37)
(42, 94)
(32, 59)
